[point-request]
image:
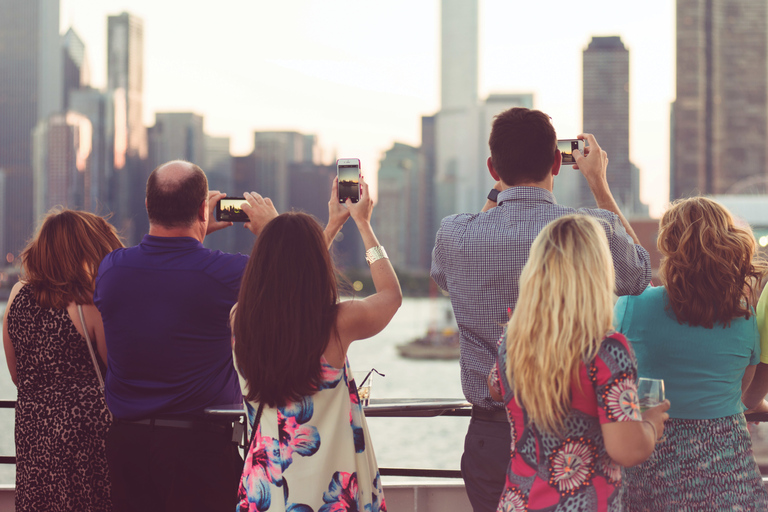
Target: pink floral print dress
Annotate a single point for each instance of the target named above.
(573, 472)
(314, 455)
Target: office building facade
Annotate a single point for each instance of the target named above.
(718, 135)
(31, 85)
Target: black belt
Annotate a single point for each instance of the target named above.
(486, 415)
(183, 424)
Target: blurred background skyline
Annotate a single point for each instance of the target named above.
(359, 75)
(265, 96)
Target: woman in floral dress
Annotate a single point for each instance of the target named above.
(568, 381)
(311, 451)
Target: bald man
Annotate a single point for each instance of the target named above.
(165, 304)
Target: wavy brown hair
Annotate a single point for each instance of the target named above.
(286, 311)
(708, 263)
(61, 262)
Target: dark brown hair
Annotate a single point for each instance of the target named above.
(62, 261)
(286, 311)
(523, 144)
(174, 205)
(707, 263)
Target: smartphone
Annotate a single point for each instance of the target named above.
(229, 209)
(566, 147)
(348, 171)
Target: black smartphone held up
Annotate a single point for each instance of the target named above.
(348, 171)
(229, 209)
(566, 147)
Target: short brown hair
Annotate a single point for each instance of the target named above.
(176, 205)
(62, 261)
(523, 145)
(708, 266)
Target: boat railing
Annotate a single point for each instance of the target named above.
(392, 408)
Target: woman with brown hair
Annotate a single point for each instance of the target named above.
(698, 333)
(310, 448)
(61, 416)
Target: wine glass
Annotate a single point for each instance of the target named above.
(650, 392)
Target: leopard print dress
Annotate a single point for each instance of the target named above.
(61, 416)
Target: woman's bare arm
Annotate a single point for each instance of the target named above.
(10, 353)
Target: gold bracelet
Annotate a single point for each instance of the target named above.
(375, 254)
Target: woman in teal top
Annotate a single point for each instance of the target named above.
(699, 334)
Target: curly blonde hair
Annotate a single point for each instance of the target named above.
(708, 263)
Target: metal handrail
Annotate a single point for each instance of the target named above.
(410, 472)
(432, 473)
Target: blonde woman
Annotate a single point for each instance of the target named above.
(699, 333)
(567, 380)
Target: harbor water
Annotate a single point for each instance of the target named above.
(435, 443)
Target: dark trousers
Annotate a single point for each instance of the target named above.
(487, 449)
(158, 469)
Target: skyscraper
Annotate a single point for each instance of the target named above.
(396, 221)
(606, 116)
(125, 77)
(458, 179)
(275, 151)
(125, 83)
(177, 136)
(31, 85)
(719, 115)
(75, 62)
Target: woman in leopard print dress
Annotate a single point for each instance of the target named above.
(61, 416)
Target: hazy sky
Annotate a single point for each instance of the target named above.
(360, 74)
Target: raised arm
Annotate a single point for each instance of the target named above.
(360, 319)
(337, 214)
(593, 164)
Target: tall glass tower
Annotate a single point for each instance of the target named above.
(31, 89)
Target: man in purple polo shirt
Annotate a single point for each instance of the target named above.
(165, 304)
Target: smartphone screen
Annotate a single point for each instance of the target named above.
(229, 209)
(566, 147)
(348, 170)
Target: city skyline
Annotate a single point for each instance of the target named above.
(304, 76)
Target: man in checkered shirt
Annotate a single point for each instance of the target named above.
(478, 258)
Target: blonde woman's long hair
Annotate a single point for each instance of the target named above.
(564, 311)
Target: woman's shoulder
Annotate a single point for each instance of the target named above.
(616, 352)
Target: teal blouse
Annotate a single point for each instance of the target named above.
(702, 368)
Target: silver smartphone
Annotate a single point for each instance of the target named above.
(348, 171)
(566, 147)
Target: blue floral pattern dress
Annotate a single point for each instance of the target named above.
(314, 455)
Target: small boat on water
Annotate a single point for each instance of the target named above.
(441, 340)
(434, 345)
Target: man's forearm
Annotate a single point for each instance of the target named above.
(605, 201)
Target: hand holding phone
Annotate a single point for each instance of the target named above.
(348, 172)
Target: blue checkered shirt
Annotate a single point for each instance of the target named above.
(478, 259)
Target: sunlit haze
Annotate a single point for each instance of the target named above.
(360, 74)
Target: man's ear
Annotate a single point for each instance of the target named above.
(202, 211)
(493, 172)
(557, 163)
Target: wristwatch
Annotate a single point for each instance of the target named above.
(493, 195)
